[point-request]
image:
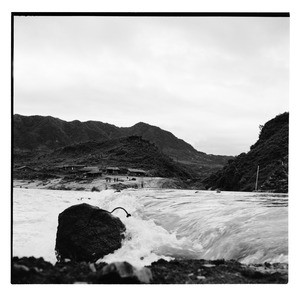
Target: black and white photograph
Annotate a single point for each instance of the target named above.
(150, 148)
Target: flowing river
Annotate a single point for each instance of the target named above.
(248, 227)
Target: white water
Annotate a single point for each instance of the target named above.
(249, 227)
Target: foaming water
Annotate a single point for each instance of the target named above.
(248, 227)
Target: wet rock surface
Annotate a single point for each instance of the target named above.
(37, 271)
(87, 233)
(123, 272)
(217, 272)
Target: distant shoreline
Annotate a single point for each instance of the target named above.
(99, 184)
(118, 182)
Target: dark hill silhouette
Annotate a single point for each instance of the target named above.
(126, 152)
(160, 136)
(132, 151)
(48, 133)
(270, 152)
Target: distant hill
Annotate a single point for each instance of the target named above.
(127, 152)
(270, 152)
(48, 133)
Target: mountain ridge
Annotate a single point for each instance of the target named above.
(48, 133)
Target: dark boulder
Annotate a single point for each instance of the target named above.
(87, 233)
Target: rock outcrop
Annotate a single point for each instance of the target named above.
(37, 271)
(87, 233)
(270, 153)
(124, 272)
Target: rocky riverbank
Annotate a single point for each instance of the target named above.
(37, 271)
(117, 182)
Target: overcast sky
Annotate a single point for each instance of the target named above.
(209, 81)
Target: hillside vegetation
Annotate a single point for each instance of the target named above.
(127, 152)
(270, 153)
(48, 133)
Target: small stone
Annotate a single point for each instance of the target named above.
(267, 264)
(19, 267)
(37, 270)
(201, 277)
(189, 282)
(209, 265)
(80, 283)
(144, 275)
(92, 267)
(123, 272)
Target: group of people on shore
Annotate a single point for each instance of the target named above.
(108, 179)
(116, 179)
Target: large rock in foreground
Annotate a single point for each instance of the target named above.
(87, 233)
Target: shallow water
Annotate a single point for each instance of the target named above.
(249, 227)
